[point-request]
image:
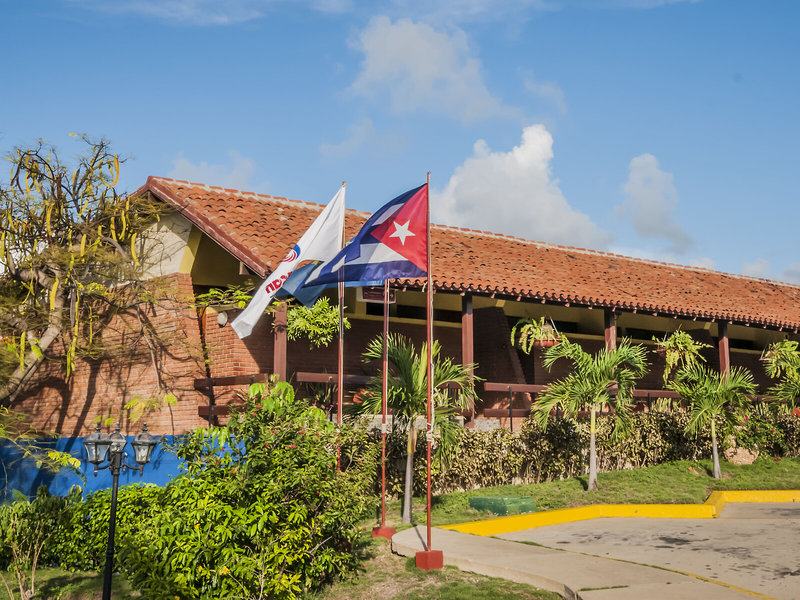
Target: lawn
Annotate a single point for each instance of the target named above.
(64, 585)
(384, 575)
(683, 482)
(388, 576)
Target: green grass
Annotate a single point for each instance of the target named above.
(388, 577)
(683, 482)
(58, 584)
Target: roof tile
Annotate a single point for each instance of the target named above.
(259, 229)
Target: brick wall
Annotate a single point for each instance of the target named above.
(230, 356)
(102, 388)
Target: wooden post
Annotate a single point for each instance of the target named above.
(279, 350)
(724, 349)
(468, 342)
(610, 329)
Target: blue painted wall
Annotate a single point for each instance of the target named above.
(23, 474)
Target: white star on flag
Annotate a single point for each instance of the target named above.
(401, 231)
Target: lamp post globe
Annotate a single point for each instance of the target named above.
(117, 440)
(143, 445)
(97, 445)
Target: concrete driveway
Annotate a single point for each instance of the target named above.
(751, 548)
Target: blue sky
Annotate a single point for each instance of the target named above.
(665, 129)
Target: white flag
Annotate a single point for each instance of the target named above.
(322, 241)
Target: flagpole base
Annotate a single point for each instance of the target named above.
(430, 560)
(384, 532)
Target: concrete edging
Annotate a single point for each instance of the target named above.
(711, 508)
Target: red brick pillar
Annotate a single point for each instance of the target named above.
(279, 356)
(610, 329)
(468, 340)
(724, 349)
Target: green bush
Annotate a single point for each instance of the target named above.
(26, 530)
(789, 426)
(81, 544)
(27, 523)
(261, 510)
(530, 455)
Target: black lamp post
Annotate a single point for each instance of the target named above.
(98, 446)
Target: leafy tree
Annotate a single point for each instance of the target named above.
(408, 393)
(782, 362)
(604, 380)
(712, 397)
(70, 262)
(261, 511)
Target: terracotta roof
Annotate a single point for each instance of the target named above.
(258, 230)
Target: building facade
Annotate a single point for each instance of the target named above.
(483, 282)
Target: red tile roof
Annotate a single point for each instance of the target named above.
(258, 230)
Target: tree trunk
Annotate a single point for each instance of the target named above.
(21, 375)
(409, 482)
(715, 452)
(592, 453)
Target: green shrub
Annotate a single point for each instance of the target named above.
(261, 510)
(789, 426)
(530, 455)
(81, 544)
(26, 530)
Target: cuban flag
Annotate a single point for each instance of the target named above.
(393, 243)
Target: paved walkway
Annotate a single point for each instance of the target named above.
(750, 550)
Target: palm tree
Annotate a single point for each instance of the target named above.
(782, 362)
(408, 392)
(712, 395)
(603, 380)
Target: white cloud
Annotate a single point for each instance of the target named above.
(363, 135)
(230, 12)
(237, 174)
(186, 12)
(792, 273)
(472, 10)
(645, 4)
(758, 268)
(651, 202)
(421, 69)
(514, 193)
(548, 91)
(206, 12)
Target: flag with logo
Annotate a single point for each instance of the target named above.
(321, 241)
(391, 244)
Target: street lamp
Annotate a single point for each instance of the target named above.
(99, 446)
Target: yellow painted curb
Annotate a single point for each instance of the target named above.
(710, 509)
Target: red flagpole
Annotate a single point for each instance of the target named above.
(383, 530)
(429, 559)
(340, 362)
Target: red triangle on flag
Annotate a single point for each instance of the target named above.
(405, 231)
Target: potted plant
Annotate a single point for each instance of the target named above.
(680, 350)
(534, 333)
